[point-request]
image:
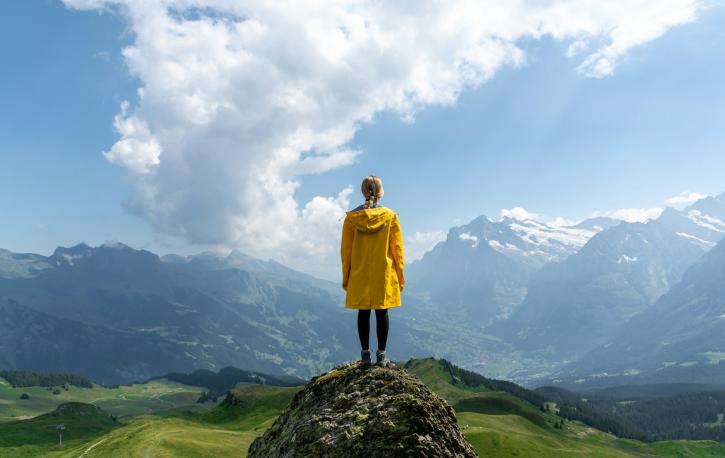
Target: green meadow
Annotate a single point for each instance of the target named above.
(124, 400)
(496, 423)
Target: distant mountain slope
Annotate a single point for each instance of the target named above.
(117, 314)
(574, 305)
(270, 270)
(32, 340)
(218, 383)
(680, 338)
(482, 269)
(13, 265)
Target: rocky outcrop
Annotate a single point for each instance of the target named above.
(364, 411)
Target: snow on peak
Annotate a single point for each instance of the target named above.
(698, 240)
(558, 233)
(519, 236)
(72, 254)
(496, 245)
(708, 222)
(468, 236)
(627, 259)
(541, 234)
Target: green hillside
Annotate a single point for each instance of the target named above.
(501, 425)
(250, 407)
(225, 431)
(496, 422)
(39, 435)
(165, 437)
(124, 400)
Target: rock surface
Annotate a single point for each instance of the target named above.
(364, 411)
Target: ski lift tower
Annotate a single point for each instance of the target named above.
(60, 429)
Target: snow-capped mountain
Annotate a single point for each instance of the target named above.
(536, 243)
(482, 269)
(679, 339)
(703, 223)
(579, 303)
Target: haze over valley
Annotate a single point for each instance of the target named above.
(512, 298)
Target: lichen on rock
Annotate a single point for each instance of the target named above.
(364, 411)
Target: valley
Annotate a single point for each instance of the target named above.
(495, 421)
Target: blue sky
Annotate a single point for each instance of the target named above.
(542, 136)
(550, 140)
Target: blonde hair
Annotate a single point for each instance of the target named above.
(372, 189)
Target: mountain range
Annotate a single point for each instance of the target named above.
(579, 303)
(513, 298)
(117, 314)
(482, 269)
(550, 295)
(680, 338)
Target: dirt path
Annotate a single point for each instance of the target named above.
(89, 449)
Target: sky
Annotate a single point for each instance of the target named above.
(184, 126)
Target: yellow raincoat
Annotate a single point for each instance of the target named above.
(372, 259)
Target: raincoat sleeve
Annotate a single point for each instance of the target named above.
(348, 234)
(396, 246)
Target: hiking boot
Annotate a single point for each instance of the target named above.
(365, 357)
(381, 359)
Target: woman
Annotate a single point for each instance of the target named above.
(372, 266)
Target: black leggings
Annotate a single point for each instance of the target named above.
(381, 326)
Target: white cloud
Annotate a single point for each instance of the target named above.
(138, 150)
(576, 47)
(562, 222)
(685, 198)
(632, 215)
(520, 213)
(420, 243)
(241, 98)
(102, 55)
(647, 21)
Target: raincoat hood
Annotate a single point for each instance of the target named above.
(370, 219)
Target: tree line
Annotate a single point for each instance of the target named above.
(696, 416)
(474, 380)
(20, 379)
(218, 383)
